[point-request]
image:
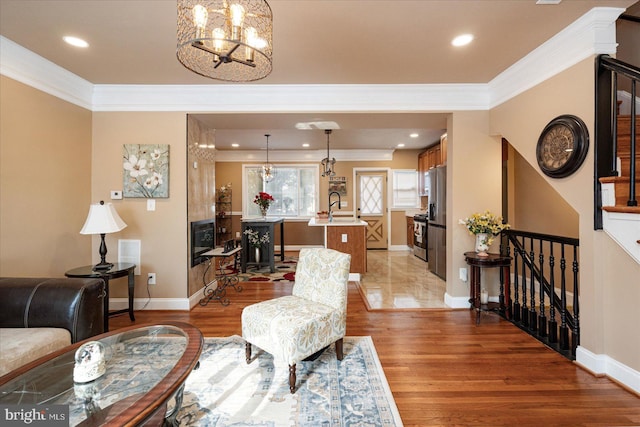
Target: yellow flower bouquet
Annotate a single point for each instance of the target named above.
(485, 223)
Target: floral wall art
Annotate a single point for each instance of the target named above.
(146, 170)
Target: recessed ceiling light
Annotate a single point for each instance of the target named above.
(74, 41)
(235, 145)
(305, 145)
(548, 1)
(414, 135)
(462, 40)
(400, 145)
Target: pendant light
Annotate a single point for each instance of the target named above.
(328, 162)
(225, 40)
(268, 171)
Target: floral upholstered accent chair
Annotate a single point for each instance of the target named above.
(294, 327)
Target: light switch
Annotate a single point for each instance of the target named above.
(344, 238)
(151, 204)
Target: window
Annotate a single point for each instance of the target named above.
(405, 189)
(294, 188)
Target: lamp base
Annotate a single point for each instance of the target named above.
(102, 266)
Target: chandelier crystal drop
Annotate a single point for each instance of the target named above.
(268, 171)
(328, 162)
(226, 40)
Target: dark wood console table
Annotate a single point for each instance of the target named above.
(120, 269)
(477, 263)
(262, 225)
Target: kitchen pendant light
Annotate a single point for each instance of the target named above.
(268, 171)
(328, 163)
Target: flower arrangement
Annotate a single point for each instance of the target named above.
(255, 239)
(263, 200)
(224, 191)
(485, 222)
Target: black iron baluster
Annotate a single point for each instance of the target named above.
(575, 338)
(533, 315)
(525, 310)
(542, 320)
(516, 289)
(553, 324)
(564, 330)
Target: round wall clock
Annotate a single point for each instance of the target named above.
(562, 146)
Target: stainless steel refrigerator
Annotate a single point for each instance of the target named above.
(436, 181)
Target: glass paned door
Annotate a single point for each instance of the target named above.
(371, 190)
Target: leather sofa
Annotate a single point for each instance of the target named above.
(40, 315)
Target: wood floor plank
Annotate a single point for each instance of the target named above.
(444, 370)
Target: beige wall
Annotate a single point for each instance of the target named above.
(45, 182)
(538, 206)
(608, 277)
(163, 232)
(474, 184)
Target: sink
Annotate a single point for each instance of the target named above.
(344, 221)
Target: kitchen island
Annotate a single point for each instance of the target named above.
(347, 235)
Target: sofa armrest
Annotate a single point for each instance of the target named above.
(71, 303)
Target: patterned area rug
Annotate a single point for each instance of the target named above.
(285, 271)
(226, 391)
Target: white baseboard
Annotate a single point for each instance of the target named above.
(456, 302)
(601, 364)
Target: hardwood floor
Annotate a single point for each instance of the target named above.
(444, 370)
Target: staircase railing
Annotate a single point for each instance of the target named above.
(608, 71)
(542, 288)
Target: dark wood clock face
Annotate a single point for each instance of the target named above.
(562, 146)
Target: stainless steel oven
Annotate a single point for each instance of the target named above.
(420, 236)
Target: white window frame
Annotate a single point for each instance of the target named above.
(404, 203)
(247, 199)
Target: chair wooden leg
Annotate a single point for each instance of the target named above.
(292, 378)
(247, 351)
(339, 352)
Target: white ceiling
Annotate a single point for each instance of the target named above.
(314, 42)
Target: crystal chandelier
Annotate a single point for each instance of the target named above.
(225, 40)
(268, 171)
(328, 162)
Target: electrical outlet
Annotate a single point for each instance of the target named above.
(151, 278)
(463, 274)
(344, 238)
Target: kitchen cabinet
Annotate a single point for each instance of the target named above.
(348, 236)
(410, 231)
(430, 158)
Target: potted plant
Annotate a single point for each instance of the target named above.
(484, 226)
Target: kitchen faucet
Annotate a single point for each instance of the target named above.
(331, 204)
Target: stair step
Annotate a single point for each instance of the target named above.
(621, 184)
(622, 209)
(625, 164)
(624, 125)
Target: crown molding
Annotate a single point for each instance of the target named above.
(311, 156)
(286, 98)
(33, 70)
(593, 33)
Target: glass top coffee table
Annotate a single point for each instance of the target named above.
(145, 368)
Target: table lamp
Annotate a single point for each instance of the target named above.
(102, 219)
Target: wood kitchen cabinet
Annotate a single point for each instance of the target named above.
(433, 156)
(410, 231)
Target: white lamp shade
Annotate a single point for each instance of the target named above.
(102, 219)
